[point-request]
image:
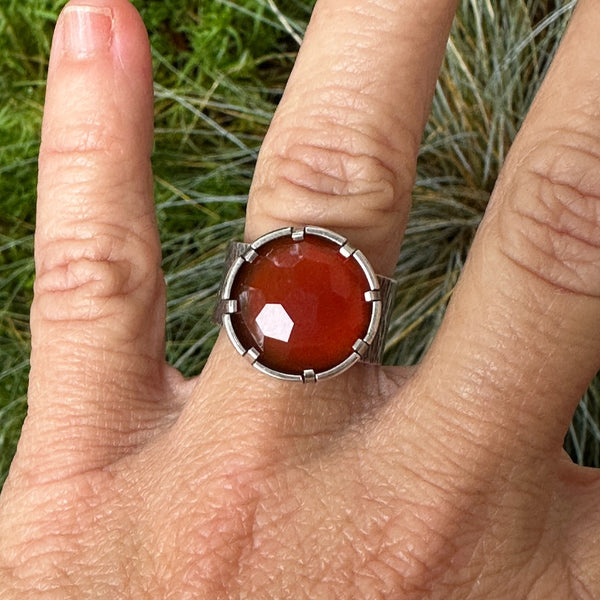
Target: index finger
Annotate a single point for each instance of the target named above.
(97, 319)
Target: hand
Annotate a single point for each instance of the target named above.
(445, 482)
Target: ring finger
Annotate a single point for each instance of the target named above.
(341, 151)
(341, 154)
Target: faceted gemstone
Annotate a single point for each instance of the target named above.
(301, 304)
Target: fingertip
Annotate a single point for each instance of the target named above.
(100, 66)
(89, 29)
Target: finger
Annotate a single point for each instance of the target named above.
(341, 151)
(521, 339)
(340, 154)
(97, 319)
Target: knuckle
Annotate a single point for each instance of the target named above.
(552, 225)
(332, 168)
(91, 278)
(76, 142)
(81, 289)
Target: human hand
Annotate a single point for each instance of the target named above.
(444, 482)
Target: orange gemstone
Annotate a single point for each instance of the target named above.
(301, 305)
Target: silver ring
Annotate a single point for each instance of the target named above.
(280, 303)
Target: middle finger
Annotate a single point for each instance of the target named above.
(340, 154)
(341, 151)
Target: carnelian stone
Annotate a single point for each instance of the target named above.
(301, 304)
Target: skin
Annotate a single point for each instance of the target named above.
(443, 482)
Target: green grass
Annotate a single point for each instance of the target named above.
(220, 68)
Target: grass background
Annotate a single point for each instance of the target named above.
(220, 68)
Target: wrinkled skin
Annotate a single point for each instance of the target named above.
(443, 482)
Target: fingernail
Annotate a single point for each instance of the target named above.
(87, 30)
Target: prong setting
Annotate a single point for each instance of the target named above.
(247, 254)
(298, 235)
(230, 306)
(347, 250)
(252, 355)
(251, 255)
(360, 347)
(309, 376)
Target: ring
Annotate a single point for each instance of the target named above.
(301, 304)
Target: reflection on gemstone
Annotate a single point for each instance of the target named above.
(275, 323)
